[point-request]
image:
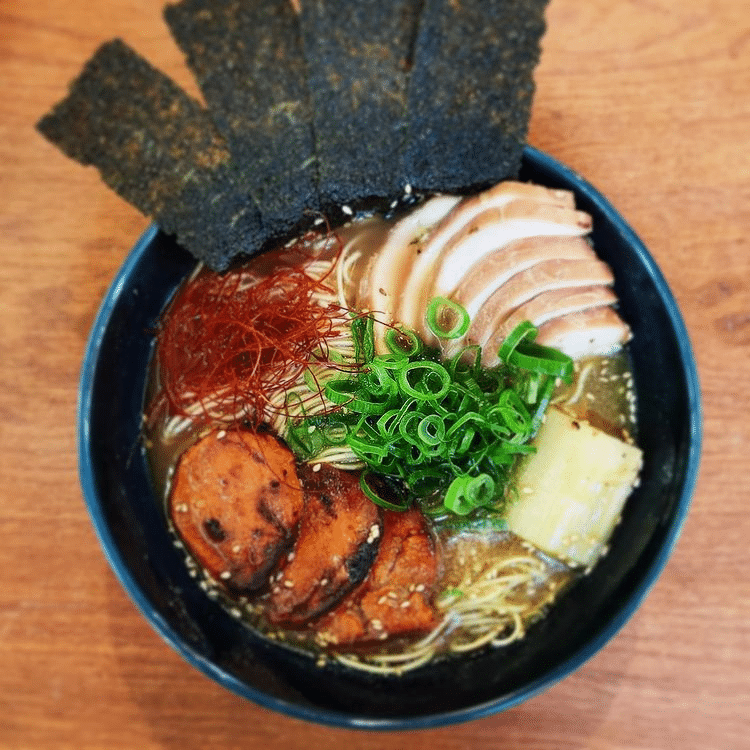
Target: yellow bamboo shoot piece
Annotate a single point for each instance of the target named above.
(573, 489)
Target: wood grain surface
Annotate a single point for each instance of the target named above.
(650, 100)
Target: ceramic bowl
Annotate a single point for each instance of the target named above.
(131, 527)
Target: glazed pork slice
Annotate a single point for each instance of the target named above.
(235, 502)
(338, 540)
(599, 330)
(396, 598)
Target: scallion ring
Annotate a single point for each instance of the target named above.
(447, 319)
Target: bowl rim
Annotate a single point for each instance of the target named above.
(540, 161)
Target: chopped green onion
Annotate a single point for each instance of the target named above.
(437, 428)
(542, 359)
(455, 498)
(341, 391)
(431, 385)
(480, 490)
(431, 430)
(523, 330)
(403, 342)
(447, 319)
(365, 480)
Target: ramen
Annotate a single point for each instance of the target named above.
(402, 438)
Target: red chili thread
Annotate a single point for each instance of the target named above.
(235, 335)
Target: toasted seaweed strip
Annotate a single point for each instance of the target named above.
(156, 148)
(247, 58)
(470, 91)
(358, 54)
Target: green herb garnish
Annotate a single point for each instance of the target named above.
(450, 428)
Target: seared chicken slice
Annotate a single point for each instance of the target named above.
(382, 283)
(482, 279)
(422, 272)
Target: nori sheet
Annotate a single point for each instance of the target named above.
(470, 91)
(157, 148)
(358, 54)
(246, 56)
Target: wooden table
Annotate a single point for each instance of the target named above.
(650, 100)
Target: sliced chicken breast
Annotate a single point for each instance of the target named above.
(550, 305)
(599, 330)
(483, 278)
(498, 227)
(519, 289)
(421, 274)
(383, 281)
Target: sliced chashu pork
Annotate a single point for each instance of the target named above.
(546, 276)
(396, 597)
(599, 330)
(382, 282)
(509, 198)
(236, 502)
(338, 538)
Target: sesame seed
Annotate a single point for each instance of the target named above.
(323, 581)
(317, 467)
(224, 575)
(289, 584)
(221, 434)
(376, 625)
(348, 211)
(405, 604)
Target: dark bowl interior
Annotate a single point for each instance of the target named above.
(130, 524)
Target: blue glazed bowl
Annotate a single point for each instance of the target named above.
(131, 527)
